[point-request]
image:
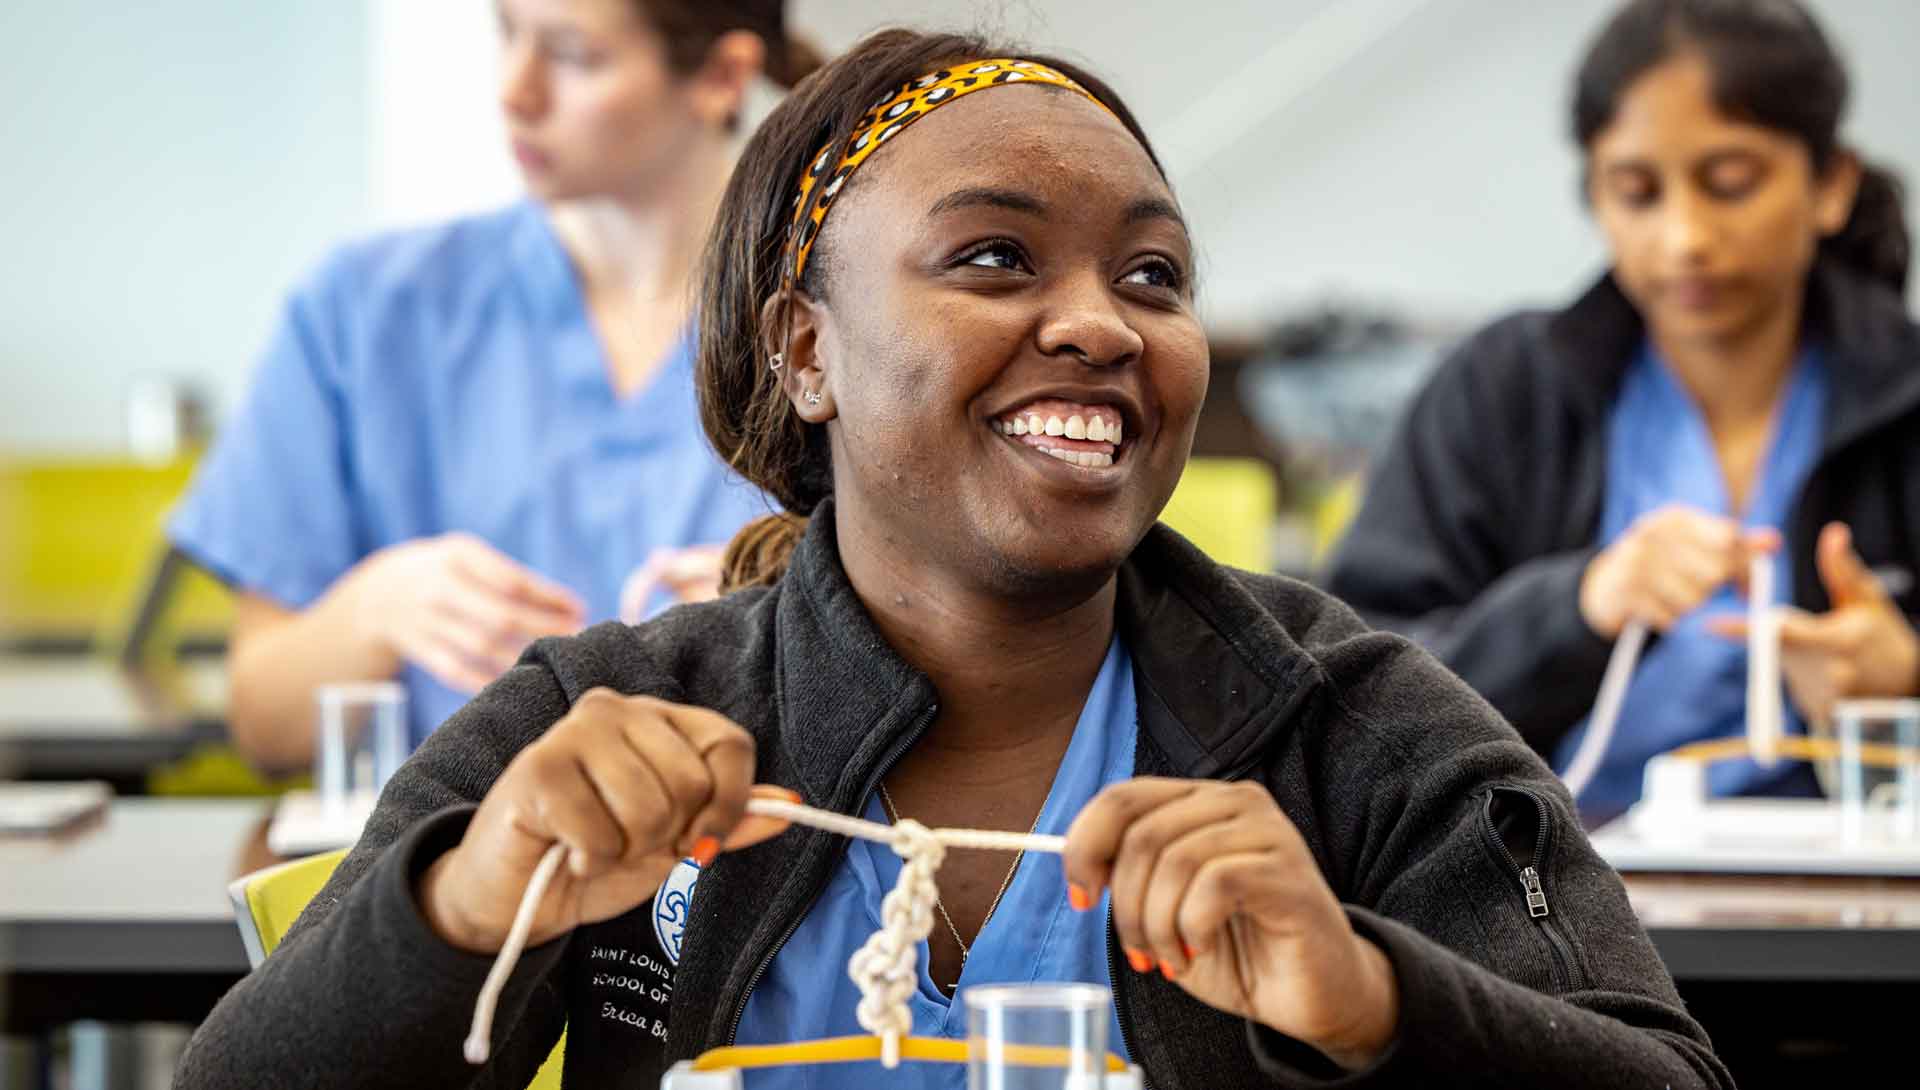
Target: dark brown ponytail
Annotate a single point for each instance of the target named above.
(792, 59)
(743, 405)
(758, 554)
(1875, 240)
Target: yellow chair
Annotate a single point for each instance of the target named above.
(266, 902)
(86, 535)
(1226, 506)
(1333, 512)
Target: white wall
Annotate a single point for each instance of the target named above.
(169, 168)
(438, 143)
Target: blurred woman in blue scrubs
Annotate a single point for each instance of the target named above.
(472, 435)
(1745, 382)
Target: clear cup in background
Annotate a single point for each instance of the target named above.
(362, 739)
(1037, 1036)
(1878, 771)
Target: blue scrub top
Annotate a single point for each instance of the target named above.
(1691, 684)
(444, 379)
(1033, 936)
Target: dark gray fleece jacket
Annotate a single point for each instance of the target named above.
(1480, 521)
(1422, 807)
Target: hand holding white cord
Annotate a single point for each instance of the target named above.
(1665, 566)
(1863, 646)
(887, 958)
(1765, 721)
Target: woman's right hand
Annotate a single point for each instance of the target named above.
(630, 785)
(1667, 563)
(458, 608)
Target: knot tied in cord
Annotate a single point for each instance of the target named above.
(886, 967)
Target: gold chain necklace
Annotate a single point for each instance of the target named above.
(893, 815)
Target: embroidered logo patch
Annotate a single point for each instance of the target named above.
(670, 907)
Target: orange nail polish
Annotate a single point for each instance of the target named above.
(1140, 961)
(1078, 898)
(704, 849)
(792, 795)
(1188, 950)
(1166, 970)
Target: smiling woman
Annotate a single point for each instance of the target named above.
(947, 320)
(1048, 302)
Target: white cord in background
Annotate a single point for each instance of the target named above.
(1766, 716)
(869, 968)
(1766, 713)
(1606, 709)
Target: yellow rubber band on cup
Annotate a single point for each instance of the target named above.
(853, 1049)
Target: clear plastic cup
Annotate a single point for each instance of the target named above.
(1037, 1036)
(1879, 770)
(362, 739)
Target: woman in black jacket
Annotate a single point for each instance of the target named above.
(975, 384)
(1744, 382)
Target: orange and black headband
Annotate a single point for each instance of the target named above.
(915, 99)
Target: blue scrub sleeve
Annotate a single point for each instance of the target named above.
(271, 509)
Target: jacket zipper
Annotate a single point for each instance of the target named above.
(886, 765)
(1119, 1000)
(1565, 971)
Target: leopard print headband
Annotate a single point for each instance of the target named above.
(915, 99)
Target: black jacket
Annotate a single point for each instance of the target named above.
(1418, 802)
(1481, 518)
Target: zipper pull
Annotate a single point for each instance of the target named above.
(1536, 898)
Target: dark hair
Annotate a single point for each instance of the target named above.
(690, 27)
(1772, 65)
(742, 404)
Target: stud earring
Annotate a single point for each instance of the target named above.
(812, 396)
(776, 361)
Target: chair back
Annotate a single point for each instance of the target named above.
(1226, 506)
(266, 902)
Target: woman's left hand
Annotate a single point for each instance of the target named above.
(692, 574)
(1215, 887)
(1862, 647)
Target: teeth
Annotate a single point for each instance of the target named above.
(1096, 428)
(1088, 459)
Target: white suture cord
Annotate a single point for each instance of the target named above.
(879, 967)
(1764, 713)
(1606, 709)
(480, 1036)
